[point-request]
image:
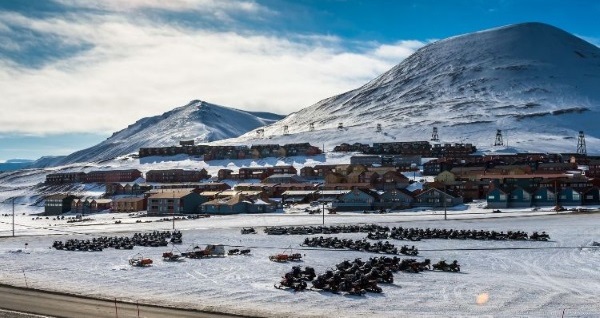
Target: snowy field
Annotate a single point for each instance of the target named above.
(509, 278)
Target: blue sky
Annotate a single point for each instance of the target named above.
(73, 72)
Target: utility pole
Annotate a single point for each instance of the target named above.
(556, 196)
(445, 209)
(173, 210)
(323, 202)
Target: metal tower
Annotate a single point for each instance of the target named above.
(434, 135)
(311, 127)
(581, 144)
(499, 141)
(285, 130)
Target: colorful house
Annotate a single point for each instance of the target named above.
(543, 197)
(129, 204)
(355, 200)
(236, 205)
(174, 202)
(58, 204)
(436, 198)
(591, 196)
(519, 198)
(395, 199)
(497, 198)
(569, 197)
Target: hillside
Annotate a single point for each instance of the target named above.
(535, 82)
(199, 121)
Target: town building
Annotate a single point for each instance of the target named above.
(58, 204)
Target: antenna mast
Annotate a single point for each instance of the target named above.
(581, 144)
(498, 141)
(434, 135)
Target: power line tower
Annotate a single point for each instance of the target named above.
(378, 128)
(434, 135)
(311, 127)
(285, 130)
(499, 141)
(581, 144)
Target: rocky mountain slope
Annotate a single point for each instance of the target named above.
(537, 83)
(199, 121)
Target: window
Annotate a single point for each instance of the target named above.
(538, 197)
(491, 197)
(576, 196)
(503, 197)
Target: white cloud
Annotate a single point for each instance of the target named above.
(221, 10)
(171, 5)
(398, 51)
(138, 69)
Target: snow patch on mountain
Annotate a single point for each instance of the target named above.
(535, 82)
(199, 121)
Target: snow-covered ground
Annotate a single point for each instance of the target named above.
(543, 280)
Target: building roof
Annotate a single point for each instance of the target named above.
(332, 192)
(170, 195)
(209, 193)
(103, 201)
(523, 176)
(226, 201)
(228, 193)
(299, 192)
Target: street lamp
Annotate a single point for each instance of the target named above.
(323, 212)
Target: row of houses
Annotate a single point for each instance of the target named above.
(410, 148)
(260, 197)
(167, 202)
(518, 197)
(396, 199)
(63, 203)
(525, 163)
(112, 176)
(134, 188)
(232, 152)
(188, 201)
(104, 176)
(259, 173)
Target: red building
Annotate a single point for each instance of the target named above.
(112, 176)
(176, 175)
(65, 177)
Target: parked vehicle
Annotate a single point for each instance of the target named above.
(139, 261)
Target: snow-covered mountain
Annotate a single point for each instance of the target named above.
(535, 82)
(199, 121)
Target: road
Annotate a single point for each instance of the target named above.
(52, 304)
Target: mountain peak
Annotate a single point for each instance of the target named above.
(530, 79)
(197, 120)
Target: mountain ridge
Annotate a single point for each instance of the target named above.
(198, 120)
(532, 80)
